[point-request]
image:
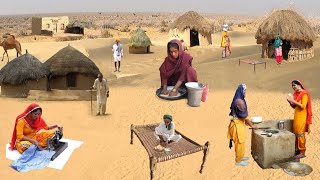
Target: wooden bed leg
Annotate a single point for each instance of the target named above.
(152, 167)
(131, 142)
(205, 153)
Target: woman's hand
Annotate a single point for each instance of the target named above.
(60, 128)
(173, 93)
(37, 144)
(309, 130)
(165, 91)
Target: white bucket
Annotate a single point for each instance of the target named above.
(195, 91)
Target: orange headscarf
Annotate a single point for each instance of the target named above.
(297, 96)
(36, 124)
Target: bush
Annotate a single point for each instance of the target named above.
(106, 34)
(125, 28)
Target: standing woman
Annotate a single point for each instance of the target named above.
(278, 49)
(225, 44)
(279, 55)
(301, 102)
(237, 126)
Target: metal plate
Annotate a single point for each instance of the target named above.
(181, 93)
(297, 169)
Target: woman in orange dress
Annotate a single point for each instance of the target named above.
(301, 102)
(30, 129)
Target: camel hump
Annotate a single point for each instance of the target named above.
(7, 35)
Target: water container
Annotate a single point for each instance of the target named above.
(204, 97)
(195, 91)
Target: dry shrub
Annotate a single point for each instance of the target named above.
(125, 28)
(69, 38)
(106, 34)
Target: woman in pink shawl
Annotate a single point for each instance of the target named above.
(176, 68)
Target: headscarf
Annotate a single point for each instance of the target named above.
(172, 65)
(297, 96)
(239, 94)
(167, 116)
(277, 41)
(37, 124)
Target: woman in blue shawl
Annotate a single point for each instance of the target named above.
(240, 94)
(277, 41)
(237, 126)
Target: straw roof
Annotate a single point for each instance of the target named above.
(70, 60)
(192, 20)
(25, 67)
(139, 39)
(290, 25)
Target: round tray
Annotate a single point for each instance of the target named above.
(297, 169)
(182, 93)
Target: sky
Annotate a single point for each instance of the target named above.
(235, 7)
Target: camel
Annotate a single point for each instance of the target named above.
(9, 42)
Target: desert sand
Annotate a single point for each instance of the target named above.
(107, 152)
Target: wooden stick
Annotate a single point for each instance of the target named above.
(131, 129)
(205, 153)
(152, 167)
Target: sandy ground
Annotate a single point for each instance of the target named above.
(107, 153)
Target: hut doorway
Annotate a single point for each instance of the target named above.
(285, 49)
(71, 79)
(194, 38)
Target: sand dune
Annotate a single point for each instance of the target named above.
(107, 152)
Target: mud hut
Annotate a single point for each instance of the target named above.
(22, 74)
(70, 69)
(139, 43)
(75, 28)
(194, 29)
(295, 32)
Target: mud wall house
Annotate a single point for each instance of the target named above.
(193, 28)
(139, 43)
(70, 69)
(22, 74)
(53, 24)
(297, 35)
(75, 28)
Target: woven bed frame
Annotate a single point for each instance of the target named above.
(185, 146)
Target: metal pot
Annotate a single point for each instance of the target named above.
(281, 125)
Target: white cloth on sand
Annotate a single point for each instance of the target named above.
(57, 163)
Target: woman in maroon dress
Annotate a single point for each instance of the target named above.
(176, 68)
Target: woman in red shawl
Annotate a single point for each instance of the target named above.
(30, 129)
(176, 68)
(301, 103)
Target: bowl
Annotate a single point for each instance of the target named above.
(194, 85)
(256, 119)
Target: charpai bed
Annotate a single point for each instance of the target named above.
(185, 146)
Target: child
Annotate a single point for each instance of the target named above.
(279, 54)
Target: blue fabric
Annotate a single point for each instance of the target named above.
(277, 41)
(32, 159)
(240, 94)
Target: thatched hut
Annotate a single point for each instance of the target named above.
(22, 74)
(194, 29)
(70, 69)
(295, 32)
(139, 43)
